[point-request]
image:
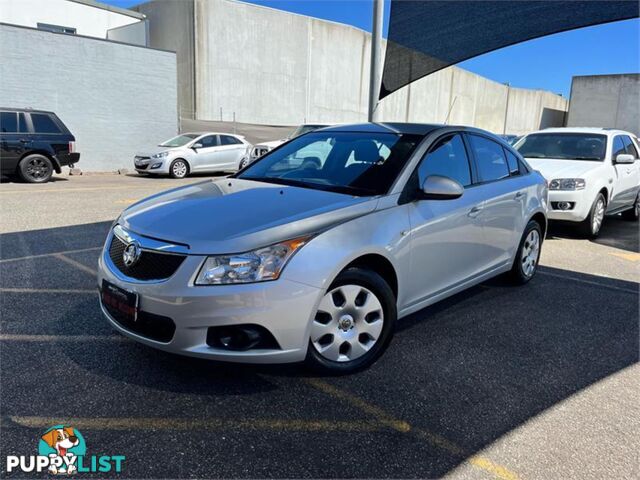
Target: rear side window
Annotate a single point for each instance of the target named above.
(43, 123)
(228, 140)
(492, 164)
(630, 147)
(209, 141)
(514, 164)
(8, 122)
(447, 158)
(618, 147)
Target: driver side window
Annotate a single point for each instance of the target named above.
(209, 141)
(447, 158)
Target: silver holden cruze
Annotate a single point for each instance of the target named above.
(315, 250)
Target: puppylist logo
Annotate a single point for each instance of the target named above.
(63, 451)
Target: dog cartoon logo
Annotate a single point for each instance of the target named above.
(66, 443)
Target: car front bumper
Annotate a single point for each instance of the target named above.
(144, 166)
(579, 200)
(283, 307)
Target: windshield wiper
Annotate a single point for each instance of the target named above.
(584, 158)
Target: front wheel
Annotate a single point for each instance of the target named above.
(354, 323)
(178, 168)
(525, 264)
(634, 212)
(591, 225)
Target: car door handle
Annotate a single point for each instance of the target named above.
(519, 195)
(474, 212)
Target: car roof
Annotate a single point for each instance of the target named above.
(32, 110)
(387, 127)
(199, 134)
(588, 130)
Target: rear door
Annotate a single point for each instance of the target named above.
(14, 140)
(504, 194)
(231, 151)
(632, 184)
(49, 133)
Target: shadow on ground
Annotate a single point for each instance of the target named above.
(615, 232)
(469, 369)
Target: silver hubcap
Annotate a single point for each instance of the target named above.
(598, 216)
(348, 323)
(530, 252)
(179, 169)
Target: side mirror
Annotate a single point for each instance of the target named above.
(196, 146)
(625, 158)
(437, 187)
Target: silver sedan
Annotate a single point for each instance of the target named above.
(317, 249)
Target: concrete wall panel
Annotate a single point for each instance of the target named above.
(606, 101)
(171, 28)
(116, 99)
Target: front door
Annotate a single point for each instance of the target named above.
(206, 154)
(14, 139)
(627, 174)
(447, 243)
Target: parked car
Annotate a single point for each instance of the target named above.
(34, 144)
(591, 172)
(193, 152)
(261, 148)
(288, 260)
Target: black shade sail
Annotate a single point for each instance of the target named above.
(426, 36)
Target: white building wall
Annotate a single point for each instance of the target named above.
(116, 100)
(88, 20)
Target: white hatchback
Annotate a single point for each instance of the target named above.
(192, 153)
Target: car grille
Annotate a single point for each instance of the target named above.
(150, 265)
(141, 163)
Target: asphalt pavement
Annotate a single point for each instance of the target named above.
(505, 382)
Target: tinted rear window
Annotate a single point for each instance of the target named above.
(43, 123)
(490, 158)
(228, 140)
(8, 122)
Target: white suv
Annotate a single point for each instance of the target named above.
(591, 172)
(194, 152)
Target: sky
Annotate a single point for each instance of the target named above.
(546, 63)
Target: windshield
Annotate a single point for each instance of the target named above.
(302, 129)
(564, 146)
(180, 140)
(362, 164)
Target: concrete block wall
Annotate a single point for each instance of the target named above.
(115, 98)
(260, 65)
(606, 101)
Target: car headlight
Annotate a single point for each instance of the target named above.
(567, 184)
(258, 265)
(160, 155)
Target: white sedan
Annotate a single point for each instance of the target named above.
(193, 153)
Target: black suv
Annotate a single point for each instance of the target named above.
(34, 143)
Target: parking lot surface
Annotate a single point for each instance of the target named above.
(501, 382)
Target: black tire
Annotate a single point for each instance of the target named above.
(175, 169)
(520, 274)
(633, 213)
(587, 227)
(35, 168)
(243, 163)
(383, 293)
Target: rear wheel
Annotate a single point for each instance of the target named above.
(35, 168)
(354, 323)
(179, 168)
(591, 225)
(525, 264)
(634, 212)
